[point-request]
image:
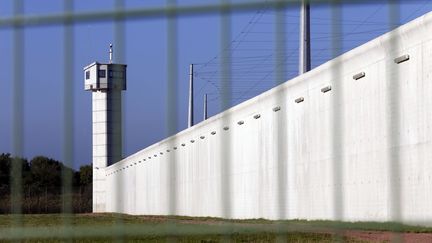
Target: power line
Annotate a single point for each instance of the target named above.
(253, 64)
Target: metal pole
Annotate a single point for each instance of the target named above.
(205, 107)
(305, 53)
(111, 54)
(191, 115)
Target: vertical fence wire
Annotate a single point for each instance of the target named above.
(171, 110)
(225, 102)
(119, 57)
(336, 120)
(393, 122)
(226, 142)
(171, 94)
(18, 116)
(68, 114)
(279, 130)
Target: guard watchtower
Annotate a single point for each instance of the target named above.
(106, 81)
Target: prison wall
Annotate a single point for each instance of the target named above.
(323, 145)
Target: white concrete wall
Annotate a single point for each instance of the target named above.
(361, 151)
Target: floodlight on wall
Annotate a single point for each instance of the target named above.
(192, 141)
(213, 133)
(149, 157)
(401, 59)
(144, 160)
(277, 108)
(240, 122)
(183, 144)
(134, 163)
(175, 148)
(168, 150)
(299, 100)
(202, 137)
(161, 153)
(257, 116)
(226, 128)
(326, 89)
(155, 155)
(359, 75)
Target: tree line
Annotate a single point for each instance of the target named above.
(41, 185)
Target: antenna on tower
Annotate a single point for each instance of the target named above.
(111, 53)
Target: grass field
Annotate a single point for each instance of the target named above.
(118, 227)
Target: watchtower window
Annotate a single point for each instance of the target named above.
(102, 73)
(87, 74)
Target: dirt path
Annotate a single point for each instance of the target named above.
(385, 236)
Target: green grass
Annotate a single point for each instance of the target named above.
(114, 227)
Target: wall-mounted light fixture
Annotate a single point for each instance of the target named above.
(359, 75)
(192, 141)
(226, 128)
(277, 108)
(175, 148)
(183, 144)
(168, 150)
(202, 137)
(402, 59)
(240, 122)
(257, 116)
(326, 89)
(213, 133)
(299, 100)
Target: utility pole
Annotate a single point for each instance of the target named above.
(191, 101)
(305, 51)
(205, 107)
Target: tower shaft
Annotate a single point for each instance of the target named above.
(107, 139)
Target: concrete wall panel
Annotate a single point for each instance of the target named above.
(360, 151)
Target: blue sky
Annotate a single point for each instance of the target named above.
(252, 50)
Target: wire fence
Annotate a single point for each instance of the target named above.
(260, 57)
